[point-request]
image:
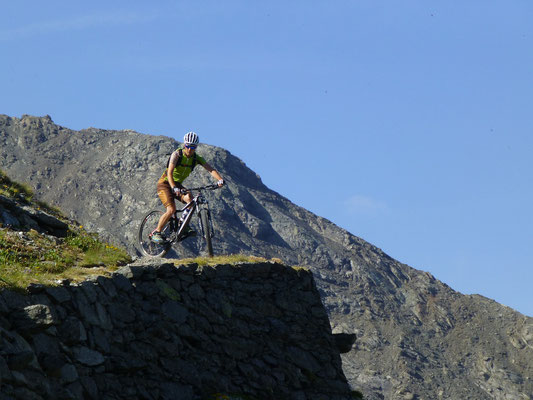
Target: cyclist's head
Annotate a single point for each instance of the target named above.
(191, 140)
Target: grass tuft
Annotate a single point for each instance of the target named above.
(227, 259)
(14, 189)
(28, 257)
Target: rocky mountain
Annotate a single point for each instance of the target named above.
(416, 337)
(156, 328)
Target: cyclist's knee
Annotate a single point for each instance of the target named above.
(171, 210)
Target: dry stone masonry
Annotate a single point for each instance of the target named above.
(157, 331)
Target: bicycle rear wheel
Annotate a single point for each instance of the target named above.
(148, 225)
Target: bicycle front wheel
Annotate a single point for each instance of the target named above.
(148, 225)
(204, 219)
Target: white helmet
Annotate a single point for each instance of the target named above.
(191, 138)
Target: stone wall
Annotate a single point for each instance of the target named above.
(257, 331)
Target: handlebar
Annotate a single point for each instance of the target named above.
(200, 188)
(207, 187)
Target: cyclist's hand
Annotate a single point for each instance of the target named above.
(220, 183)
(176, 190)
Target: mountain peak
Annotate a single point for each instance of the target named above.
(415, 335)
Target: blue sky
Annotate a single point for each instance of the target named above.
(407, 123)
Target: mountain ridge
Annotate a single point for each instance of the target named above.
(417, 337)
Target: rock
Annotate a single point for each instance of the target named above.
(72, 331)
(59, 294)
(20, 215)
(52, 364)
(174, 391)
(174, 311)
(46, 220)
(344, 341)
(303, 359)
(7, 219)
(35, 317)
(19, 361)
(88, 357)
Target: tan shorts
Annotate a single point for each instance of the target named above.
(164, 191)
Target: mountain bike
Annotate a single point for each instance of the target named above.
(175, 230)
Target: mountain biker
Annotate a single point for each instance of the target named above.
(180, 165)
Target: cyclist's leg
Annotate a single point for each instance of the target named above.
(165, 217)
(165, 195)
(186, 198)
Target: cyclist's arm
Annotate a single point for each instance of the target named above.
(170, 175)
(212, 171)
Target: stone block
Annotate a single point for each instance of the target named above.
(87, 356)
(174, 312)
(36, 317)
(58, 294)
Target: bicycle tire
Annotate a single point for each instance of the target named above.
(204, 218)
(148, 224)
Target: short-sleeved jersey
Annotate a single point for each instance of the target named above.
(184, 168)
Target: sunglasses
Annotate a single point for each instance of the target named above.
(192, 147)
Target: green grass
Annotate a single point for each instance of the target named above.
(56, 212)
(40, 259)
(10, 188)
(233, 259)
(23, 191)
(30, 257)
(228, 259)
(34, 258)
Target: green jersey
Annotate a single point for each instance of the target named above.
(184, 165)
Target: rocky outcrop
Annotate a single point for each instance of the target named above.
(157, 331)
(416, 337)
(17, 215)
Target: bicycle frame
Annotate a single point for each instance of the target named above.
(193, 206)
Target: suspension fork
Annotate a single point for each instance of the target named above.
(209, 228)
